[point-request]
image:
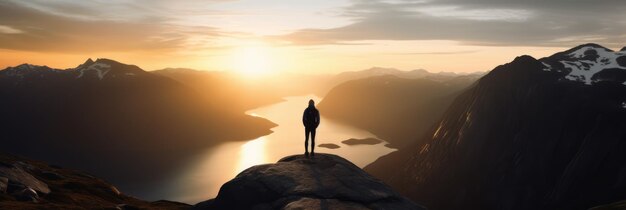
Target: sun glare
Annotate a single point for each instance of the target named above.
(252, 153)
(252, 61)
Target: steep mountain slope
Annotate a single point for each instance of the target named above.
(297, 182)
(137, 121)
(531, 134)
(395, 109)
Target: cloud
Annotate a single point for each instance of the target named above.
(477, 22)
(77, 28)
(438, 52)
(9, 30)
(160, 25)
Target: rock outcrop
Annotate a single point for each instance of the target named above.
(27, 184)
(296, 182)
(620, 205)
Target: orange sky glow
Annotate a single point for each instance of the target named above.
(312, 37)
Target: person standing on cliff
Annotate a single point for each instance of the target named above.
(310, 119)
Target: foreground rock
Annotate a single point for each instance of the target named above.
(297, 182)
(26, 184)
(620, 205)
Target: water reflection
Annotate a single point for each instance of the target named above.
(252, 153)
(203, 178)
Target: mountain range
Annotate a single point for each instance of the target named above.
(138, 121)
(544, 133)
(335, 80)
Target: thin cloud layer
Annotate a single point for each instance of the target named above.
(57, 27)
(202, 27)
(478, 22)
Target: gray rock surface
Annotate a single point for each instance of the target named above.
(296, 182)
(27, 181)
(18, 176)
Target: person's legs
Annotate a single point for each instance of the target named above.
(306, 141)
(313, 142)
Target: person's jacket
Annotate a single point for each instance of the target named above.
(311, 117)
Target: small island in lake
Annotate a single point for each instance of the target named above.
(366, 141)
(329, 146)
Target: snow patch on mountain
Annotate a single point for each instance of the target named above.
(587, 61)
(21, 70)
(26, 69)
(101, 70)
(546, 67)
(585, 69)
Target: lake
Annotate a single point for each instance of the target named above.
(201, 179)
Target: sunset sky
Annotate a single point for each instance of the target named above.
(309, 36)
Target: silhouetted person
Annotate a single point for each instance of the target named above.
(310, 119)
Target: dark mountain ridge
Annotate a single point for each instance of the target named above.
(89, 69)
(531, 134)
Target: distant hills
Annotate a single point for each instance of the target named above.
(113, 119)
(340, 78)
(222, 87)
(531, 134)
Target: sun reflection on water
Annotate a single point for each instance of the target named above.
(252, 153)
(209, 171)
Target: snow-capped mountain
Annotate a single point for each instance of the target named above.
(29, 71)
(99, 69)
(589, 63)
(105, 68)
(531, 134)
(26, 70)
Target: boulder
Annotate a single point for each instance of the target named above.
(17, 176)
(22, 187)
(4, 183)
(26, 194)
(127, 207)
(296, 182)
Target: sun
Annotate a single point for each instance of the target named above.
(252, 61)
